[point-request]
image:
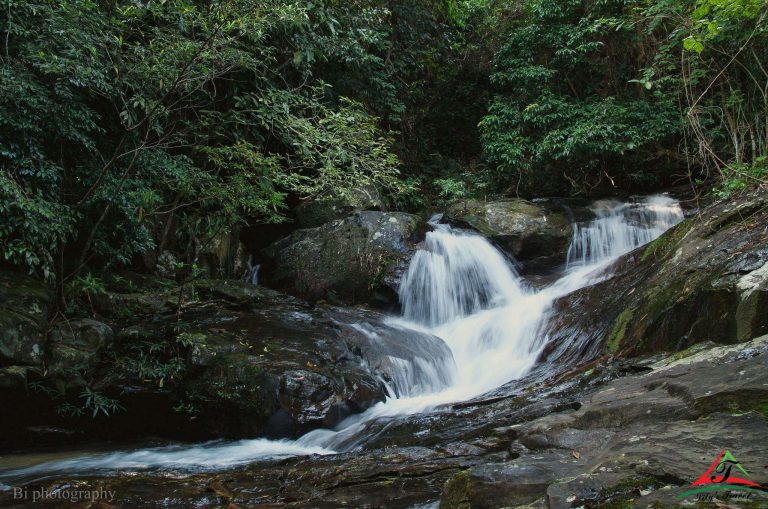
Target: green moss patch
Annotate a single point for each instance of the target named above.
(663, 246)
(619, 330)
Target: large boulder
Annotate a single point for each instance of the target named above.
(285, 369)
(314, 213)
(358, 259)
(536, 234)
(276, 370)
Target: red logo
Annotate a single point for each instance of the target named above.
(725, 473)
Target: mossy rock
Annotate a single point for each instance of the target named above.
(24, 306)
(536, 234)
(354, 260)
(704, 280)
(314, 213)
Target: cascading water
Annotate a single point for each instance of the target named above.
(461, 289)
(454, 276)
(621, 227)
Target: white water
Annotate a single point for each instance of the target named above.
(461, 289)
(621, 227)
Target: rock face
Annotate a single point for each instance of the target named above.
(535, 234)
(639, 440)
(312, 214)
(354, 260)
(223, 255)
(704, 280)
(76, 347)
(619, 436)
(239, 360)
(282, 368)
(24, 307)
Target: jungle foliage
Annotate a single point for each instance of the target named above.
(128, 127)
(625, 94)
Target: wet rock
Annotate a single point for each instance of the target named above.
(704, 280)
(494, 485)
(243, 295)
(24, 307)
(286, 370)
(233, 360)
(222, 255)
(408, 360)
(536, 234)
(134, 296)
(601, 447)
(240, 361)
(358, 259)
(314, 213)
(398, 478)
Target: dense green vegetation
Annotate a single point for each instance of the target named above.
(130, 127)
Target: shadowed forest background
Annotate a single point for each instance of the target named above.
(130, 127)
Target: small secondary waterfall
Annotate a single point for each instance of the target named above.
(621, 227)
(460, 288)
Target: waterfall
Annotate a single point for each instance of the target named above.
(455, 275)
(621, 227)
(463, 290)
(251, 272)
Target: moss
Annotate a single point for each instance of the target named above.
(661, 298)
(622, 503)
(619, 330)
(682, 354)
(629, 485)
(620, 496)
(663, 246)
(456, 492)
(759, 406)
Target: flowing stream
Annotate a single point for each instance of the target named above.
(463, 290)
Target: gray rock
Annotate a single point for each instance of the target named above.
(24, 306)
(314, 213)
(705, 280)
(494, 485)
(166, 265)
(263, 362)
(222, 255)
(76, 346)
(602, 447)
(535, 234)
(358, 259)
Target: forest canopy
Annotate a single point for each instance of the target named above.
(126, 125)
